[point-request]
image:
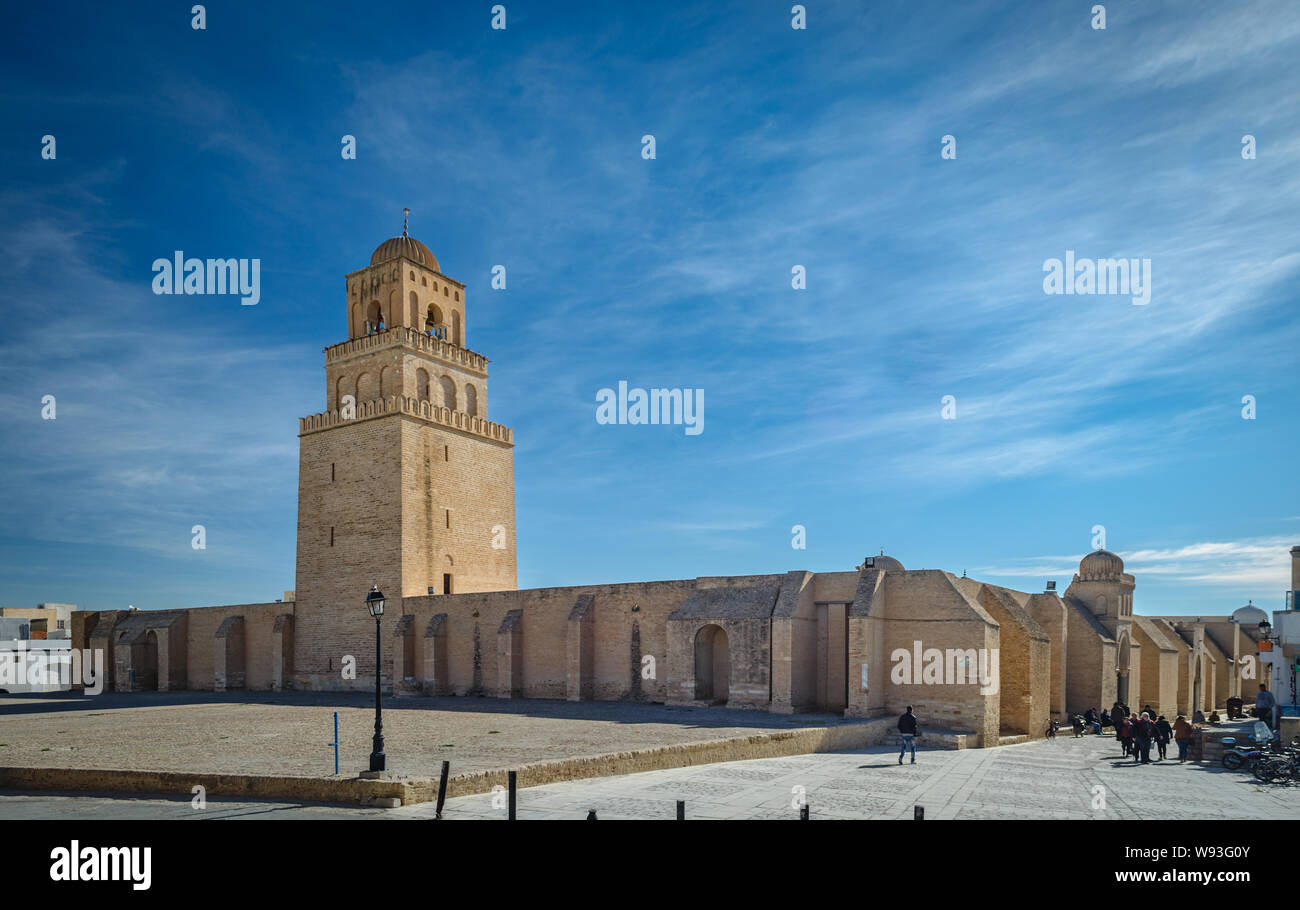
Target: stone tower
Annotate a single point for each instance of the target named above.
(402, 480)
(1106, 590)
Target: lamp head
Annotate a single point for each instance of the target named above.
(375, 601)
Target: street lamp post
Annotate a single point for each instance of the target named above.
(1265, 628)
(375, 603)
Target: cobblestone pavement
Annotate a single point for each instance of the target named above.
(1066, 778)
(290, 732)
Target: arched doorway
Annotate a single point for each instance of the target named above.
(144, 662)
(712, 665)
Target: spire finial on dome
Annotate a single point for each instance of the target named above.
(405, 214)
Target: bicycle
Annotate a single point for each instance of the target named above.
(1275, 770)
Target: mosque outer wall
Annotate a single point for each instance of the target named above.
(622, 641)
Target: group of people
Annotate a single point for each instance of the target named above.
(1137, 733)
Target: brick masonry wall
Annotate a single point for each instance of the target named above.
(794, 645)
(1024, 673)
(1049, 613)
(925, 606)
(1159, 686)
(467, 482)
(1089, 665)
(201, 642)
(619, 614)
(349, 492)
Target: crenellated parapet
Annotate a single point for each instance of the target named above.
(413, 407)
(402, 336)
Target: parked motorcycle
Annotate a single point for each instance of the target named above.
(1248, 754)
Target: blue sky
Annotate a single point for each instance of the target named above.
(775, 148)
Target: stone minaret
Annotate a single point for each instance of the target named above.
(402, 480)
(1106, 590)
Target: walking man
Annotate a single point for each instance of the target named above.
(1264, 703)
(1143, 735)
(1182, 736)
(1164, 733)
(908, 732)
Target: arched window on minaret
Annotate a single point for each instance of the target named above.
(471, 400)
(422, 385)
(415, 311)
(448, 393)
(433, 321)
(455, 329)
(374, 317)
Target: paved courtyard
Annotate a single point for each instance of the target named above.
(1046, 779)
(290, 732)
(1062, 778)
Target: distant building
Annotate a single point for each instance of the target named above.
(34, 642)
(1281, 656)
(47, 620)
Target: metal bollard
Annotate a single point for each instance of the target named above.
(681, 810)
(918, 813)
(442, 787)
(335, 744)
(803, 813)
(512, 778)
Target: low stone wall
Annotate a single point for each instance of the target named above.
(1290, 727)
(841, 737)
(180, 783)
(938, 739)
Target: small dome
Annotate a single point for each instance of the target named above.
(1101, 564)
(404, 246)
(1249, 615)
(883, 563)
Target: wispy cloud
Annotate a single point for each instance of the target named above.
(775, 148)
(1260, 561)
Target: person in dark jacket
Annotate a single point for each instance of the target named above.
(1144, 731)
(1123, 732)
(1090, 718)
(1164, 733)
(908, 731)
